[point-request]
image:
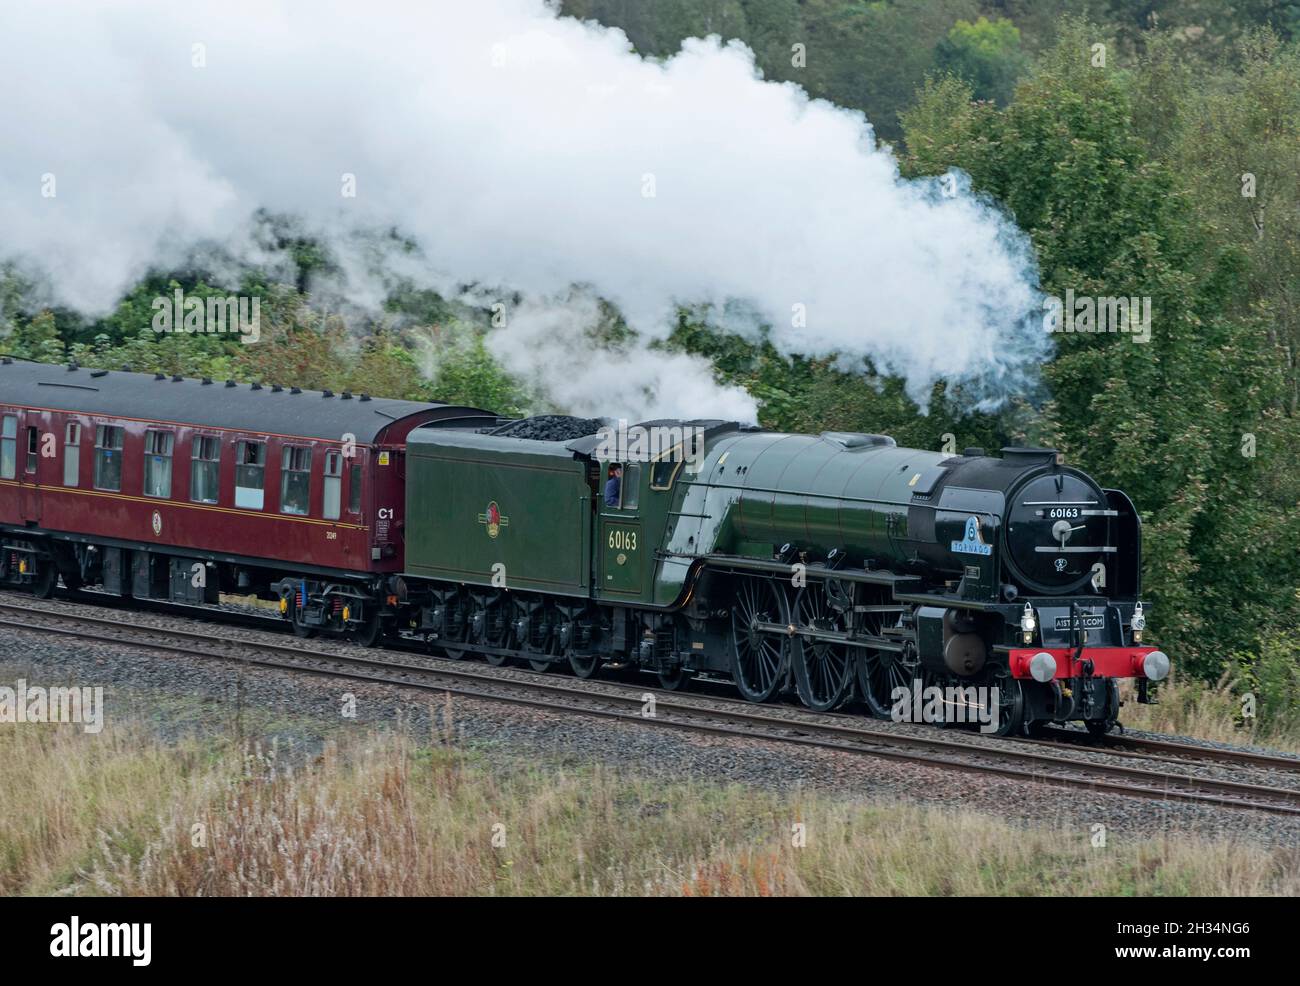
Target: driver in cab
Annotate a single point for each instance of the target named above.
(613, 486)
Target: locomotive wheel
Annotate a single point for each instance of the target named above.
(759, 660)
(676, 680)
(1011, 707)
(496, 630)
(459, 632)
(579, 632)
(823, 672)
(879, 672)
(584, 665)
(541, 638)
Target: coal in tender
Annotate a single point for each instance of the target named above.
(551, 428)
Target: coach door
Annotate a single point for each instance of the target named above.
(387, 475)
(29, 467)
(622, 538)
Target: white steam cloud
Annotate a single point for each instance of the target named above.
(519, 150)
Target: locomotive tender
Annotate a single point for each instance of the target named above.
(839, 566)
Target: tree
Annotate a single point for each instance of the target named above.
(986, 55)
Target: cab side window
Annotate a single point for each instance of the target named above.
(663, 472)
(631, 486)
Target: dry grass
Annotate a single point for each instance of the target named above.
(66, 788)
(380, 815)
(1187, 707)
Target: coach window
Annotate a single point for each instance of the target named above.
(158, 463)
(295, 480)
(205, 468)
(354, 489)
(108, 457)
(333, 485)
(33, 448)
(72, 454)
(8, 447)
(250, 474)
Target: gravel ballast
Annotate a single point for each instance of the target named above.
(177, 694)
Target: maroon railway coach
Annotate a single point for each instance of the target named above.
(163, 487)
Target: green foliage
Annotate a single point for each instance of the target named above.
(872, 55)
(986, 55)
(1271, 673)
(468, 374)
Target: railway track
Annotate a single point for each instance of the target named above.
(694, 714)
(1123, 746)
(1169, 751)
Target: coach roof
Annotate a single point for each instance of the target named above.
(204, 403)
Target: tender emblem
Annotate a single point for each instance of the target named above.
(973, 542)
(493, 519)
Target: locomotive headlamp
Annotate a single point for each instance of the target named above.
(1138, 623)
(1028, 623)
(1156, 665)
(1042, 667)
